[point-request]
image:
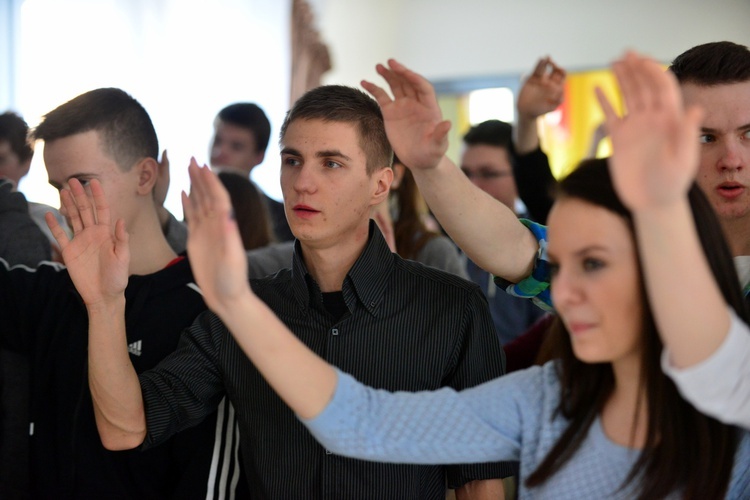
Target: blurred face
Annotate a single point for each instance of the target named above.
(11, 166)
(489, 168)
(234, 147)
(595, 281)
(327, 191)
(725, 146)
(81, 156)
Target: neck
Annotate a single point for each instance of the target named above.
(737, 234)
(149, 250)
(625, 414)
(329, 264)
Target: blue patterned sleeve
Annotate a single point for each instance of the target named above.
(535, 286)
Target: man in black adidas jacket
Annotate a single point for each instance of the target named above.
(106, 135)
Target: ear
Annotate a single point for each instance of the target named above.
(147, 170)
(383, 179)
(25, 166)
(259, 158)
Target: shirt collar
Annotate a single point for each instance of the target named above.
(365, 283)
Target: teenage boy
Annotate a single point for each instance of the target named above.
(105, 136)
(390, 322)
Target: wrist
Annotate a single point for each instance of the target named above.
(106, 307)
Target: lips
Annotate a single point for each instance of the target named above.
(304, 211)
(730, 190)
(578, 328)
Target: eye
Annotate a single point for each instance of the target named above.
(554, 269)
(291, 161)
(591, 264)
(706, 138)
(332, 164)
(746, 134)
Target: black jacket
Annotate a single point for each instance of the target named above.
(45, 319)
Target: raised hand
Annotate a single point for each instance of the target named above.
(97, 257)
(543, 90)
(413, 120)
(656, 148)
(214, 246)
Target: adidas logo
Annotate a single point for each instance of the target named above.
(135, 348)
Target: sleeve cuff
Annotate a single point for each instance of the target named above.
(719, 385)
(536, 285)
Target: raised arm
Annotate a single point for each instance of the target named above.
(484, 228)
(304, 381)
(97, 259)
(541, 93)
(655, 160)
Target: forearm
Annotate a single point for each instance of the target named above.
(486, 230)
(688, 306)
(527, 134)
(302, 379)
(486, 489)
(115, 389)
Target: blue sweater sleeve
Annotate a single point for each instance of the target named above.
(480, 424)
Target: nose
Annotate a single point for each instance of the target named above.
(731, 156)
(303, 179)
(565, 290)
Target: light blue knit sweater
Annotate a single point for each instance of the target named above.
(509, 418)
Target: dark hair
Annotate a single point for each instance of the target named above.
(716, 63)
(249, 210)
(250, 116)
(493, 133)
(124, 126)
(685, 450)
(14, 129)
(337, 103)
(409, 230)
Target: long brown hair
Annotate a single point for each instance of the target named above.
(249, 210)
(685, 450)
(409, 230)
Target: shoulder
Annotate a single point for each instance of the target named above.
(270, 259)
(419, 273)
(442, 253)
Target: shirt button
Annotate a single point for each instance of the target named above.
(334, 331)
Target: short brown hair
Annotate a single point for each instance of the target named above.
(338, 103)
(125, 128)
(715, 63)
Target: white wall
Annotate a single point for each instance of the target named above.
(447, 39)
(183, 61)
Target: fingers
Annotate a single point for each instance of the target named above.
(441, 130)
(380, 95)
(121, 237)
(208, 197)
(57, 231)
(84, 209)
(100, 202)
(610, 116)
(417, 84)
(394, 81)
(541, 67)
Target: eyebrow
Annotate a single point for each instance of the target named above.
(714, 131)
(582, 251)
(327, 153)
(58, 186)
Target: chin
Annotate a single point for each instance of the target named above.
(590, 355)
